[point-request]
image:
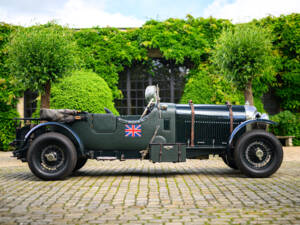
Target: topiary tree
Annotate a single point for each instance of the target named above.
(244, 54)
(205, 87)
(84, 91)
(39, 55)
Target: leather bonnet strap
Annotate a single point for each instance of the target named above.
(230, 116)
(192, 123)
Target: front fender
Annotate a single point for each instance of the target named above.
(56, 124)
(240, 126)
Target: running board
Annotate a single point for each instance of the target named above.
(109, 158)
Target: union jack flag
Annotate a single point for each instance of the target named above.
(132, 130)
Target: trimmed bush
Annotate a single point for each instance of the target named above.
(288, 124)
(84, 91)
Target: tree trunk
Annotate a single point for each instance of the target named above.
(45, 98)
(248, 93)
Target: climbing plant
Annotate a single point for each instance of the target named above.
(286, 47)
(9, 91)
(107, 51)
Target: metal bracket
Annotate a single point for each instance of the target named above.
(146, 151)
(179, 152)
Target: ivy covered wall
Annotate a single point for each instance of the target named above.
(9, 91)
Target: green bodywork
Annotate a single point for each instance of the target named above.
(165, 133)
(107, 132)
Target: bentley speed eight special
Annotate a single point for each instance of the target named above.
(63, 140)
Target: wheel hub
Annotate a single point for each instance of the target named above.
(259, 153)
(51, 157)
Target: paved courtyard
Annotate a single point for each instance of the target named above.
(140, 192)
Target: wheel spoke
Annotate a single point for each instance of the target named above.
(258, 153)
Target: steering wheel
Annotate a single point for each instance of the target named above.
(107, 110)
(147, 108)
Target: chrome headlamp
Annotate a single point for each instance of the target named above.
(251, 113)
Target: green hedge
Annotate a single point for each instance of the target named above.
(288, 124)
(7, 126)
(84, 91)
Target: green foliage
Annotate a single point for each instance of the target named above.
(243, 54)
(204, 87)
(84, 91)
(9, 90)
(7, 125)
(258, 104)
(185, 41)
(5, 31)
(288, 124)
(40, 53)
(286, 44)
(106, 51)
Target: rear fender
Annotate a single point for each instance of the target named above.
(69, 132)
(244, 124)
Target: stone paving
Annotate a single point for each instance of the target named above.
(140, 192)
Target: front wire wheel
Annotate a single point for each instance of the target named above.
(258, 153)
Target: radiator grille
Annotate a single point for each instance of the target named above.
(208, 131)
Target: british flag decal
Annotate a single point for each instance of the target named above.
(132, 130)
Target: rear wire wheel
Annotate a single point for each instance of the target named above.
(80, 163)
(52, 156)
(258, 154)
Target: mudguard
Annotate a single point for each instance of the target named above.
(240, 126)
(56, 124)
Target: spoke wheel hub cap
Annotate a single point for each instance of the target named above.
(258, 154)
(52, 158)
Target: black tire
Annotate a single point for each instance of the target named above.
(52, 156)
(229, 161)
(258, 154)
(80, 163)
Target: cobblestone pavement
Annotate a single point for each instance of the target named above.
(140, 192)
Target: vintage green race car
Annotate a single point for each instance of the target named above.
(63, 140)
